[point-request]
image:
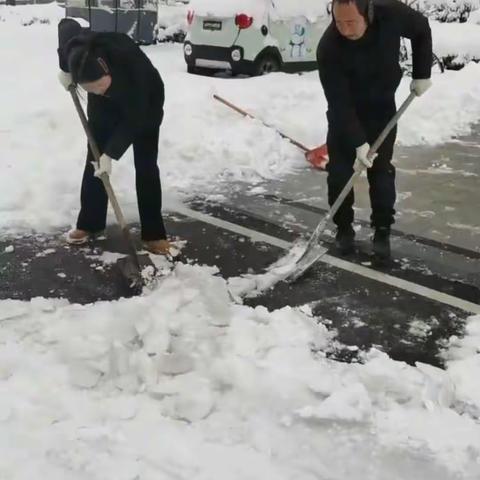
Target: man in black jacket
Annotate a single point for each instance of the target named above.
(125, 107)
(358, 61)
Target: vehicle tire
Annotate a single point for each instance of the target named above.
(266, 64)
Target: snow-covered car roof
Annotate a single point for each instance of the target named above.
(284, 9)
(228, 8)
(312, 9)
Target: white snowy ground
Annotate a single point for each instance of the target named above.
(42, 145)
(180, 383)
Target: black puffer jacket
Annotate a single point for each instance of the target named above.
(137, 91)
(360, 77)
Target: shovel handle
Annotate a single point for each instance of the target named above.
(348, 187)
(96, 155)
(373, 150)
(104, 177)
(249, 115)
(391, 124)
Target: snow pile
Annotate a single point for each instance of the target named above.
(447, 109)
(464, 365)
(183, 383)
(461, 41)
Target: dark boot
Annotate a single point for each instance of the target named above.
(381, 243)
(345, 240)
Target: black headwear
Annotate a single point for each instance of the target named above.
(86, 63)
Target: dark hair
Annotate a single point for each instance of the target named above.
(365, 7)
(86, 62)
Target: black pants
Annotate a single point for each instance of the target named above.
(381, 177)
(103, 118)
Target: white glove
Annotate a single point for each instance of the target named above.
(65, 79)
(104, 166)
(363, 160)
(420, 86)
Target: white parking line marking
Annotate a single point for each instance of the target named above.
(336, 262)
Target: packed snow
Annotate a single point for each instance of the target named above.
(181, 382)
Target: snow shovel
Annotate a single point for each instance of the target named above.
(317, 157)
(133, 264)
(313, 251)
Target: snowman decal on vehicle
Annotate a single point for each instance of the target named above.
(298, 30)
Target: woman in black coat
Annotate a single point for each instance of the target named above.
(125, 107)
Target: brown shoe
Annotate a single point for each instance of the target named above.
(80, 237)
(77, 237)
(160, 247)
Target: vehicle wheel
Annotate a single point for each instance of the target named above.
(265, 65)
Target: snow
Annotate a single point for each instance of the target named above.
(229, 8)
(181, 382)
(42, 139)
(474, 17)
(458, 39)
(311, 9)
(172, 19)
(282, 9)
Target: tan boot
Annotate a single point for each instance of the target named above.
(77, 237)
(80, 237)
(159, 247)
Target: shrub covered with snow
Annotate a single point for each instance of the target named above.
(449, 11)
(171, 22)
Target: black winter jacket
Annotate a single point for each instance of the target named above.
(360, 77)
(137, 90)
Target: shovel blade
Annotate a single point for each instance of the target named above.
(137, 275)
(306, 261)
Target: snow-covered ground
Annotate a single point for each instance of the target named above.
(202, 141)
(457, 39)
(180, 383)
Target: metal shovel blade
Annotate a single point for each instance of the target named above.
(137, 275)
(309, 257)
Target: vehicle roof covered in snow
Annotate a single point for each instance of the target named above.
(312, 9)
(229, 8)
(283, 9)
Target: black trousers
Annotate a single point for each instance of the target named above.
(103, 118)
(381, 177)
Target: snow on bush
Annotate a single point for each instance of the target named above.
(448, 11)
(456, 44)
(171, 22)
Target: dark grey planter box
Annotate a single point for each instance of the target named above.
(136, 18)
